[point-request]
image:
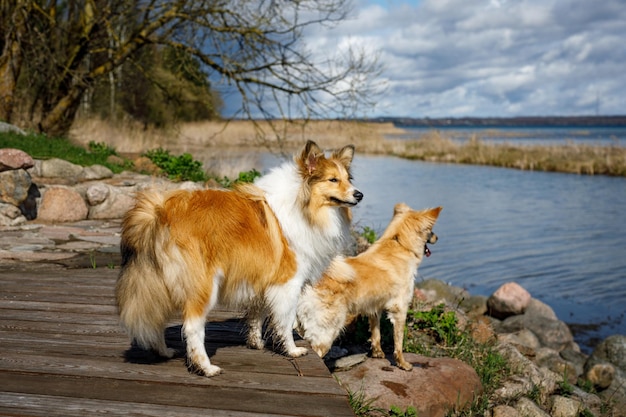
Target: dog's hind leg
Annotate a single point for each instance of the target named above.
(255, 318)
(197, 358)
(194, 320)
(282, 301)
(377, 351)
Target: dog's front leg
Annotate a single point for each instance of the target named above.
(377, 351)
(398, 319)
(282, 301)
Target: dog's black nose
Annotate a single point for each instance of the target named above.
(358, 195)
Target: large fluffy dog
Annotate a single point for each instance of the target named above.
(253, 248)
(379, 279)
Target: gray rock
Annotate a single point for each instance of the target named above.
(9, 128)
(564, 407)
(59, 168)
(550, 359)
(346, 362)
(9, 210)
(504, 411)
(475, 305)
(551, 333)
(528, 408)
(612, 350)
(521, 339)
(95, 172)
(118, 202)
(437, 291)
(10, 215)
(97, 193)
(527, 375)
(540, 309)
(576, 358)
(14, 185)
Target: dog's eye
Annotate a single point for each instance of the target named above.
(333, 180)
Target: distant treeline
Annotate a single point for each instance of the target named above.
(556, 121)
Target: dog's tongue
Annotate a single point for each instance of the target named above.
(427, 251)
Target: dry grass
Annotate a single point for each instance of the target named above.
(225, 147)
(278, 136)
(568, 158)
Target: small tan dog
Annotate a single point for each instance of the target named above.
(379, 279)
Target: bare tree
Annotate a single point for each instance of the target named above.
(11, 42)
(256, 47)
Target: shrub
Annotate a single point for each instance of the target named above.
(179, 168)
(101, 149)
(244, 177)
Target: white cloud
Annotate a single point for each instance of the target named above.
(491, 57)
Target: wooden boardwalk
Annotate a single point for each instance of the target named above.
(62, 353)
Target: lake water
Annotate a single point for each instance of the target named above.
(596, 135)
(560, 236)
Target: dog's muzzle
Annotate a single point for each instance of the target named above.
(432, 239)
(358, 196)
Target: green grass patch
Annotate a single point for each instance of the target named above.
(44, 147)
(177, 167)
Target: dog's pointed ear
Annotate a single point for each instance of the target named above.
(309, 157)
(434, 212)
(400, 208)
(345, 155)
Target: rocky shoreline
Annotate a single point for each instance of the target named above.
(57, 214)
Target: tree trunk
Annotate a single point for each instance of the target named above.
(58, 121)
(11, 59)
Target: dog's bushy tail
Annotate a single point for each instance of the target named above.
(142, 296)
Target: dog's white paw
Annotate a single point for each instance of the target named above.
(211, 370)
(297, 352)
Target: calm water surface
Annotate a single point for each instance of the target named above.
(536, 135)
(560, 236)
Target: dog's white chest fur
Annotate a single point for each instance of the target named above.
(313, 245)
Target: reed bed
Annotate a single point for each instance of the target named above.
(567, 158)
(275, 136)
(226, 146)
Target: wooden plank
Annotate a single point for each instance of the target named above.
(51, 406)
(245, 375)
(34, 405)
(238, 399)
(31, 305)
(65, 354)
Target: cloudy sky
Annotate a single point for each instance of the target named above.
(455, 58)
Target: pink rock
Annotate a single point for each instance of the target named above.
(433, 387)
(509, 300)
(11, 159)
(62, 205)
